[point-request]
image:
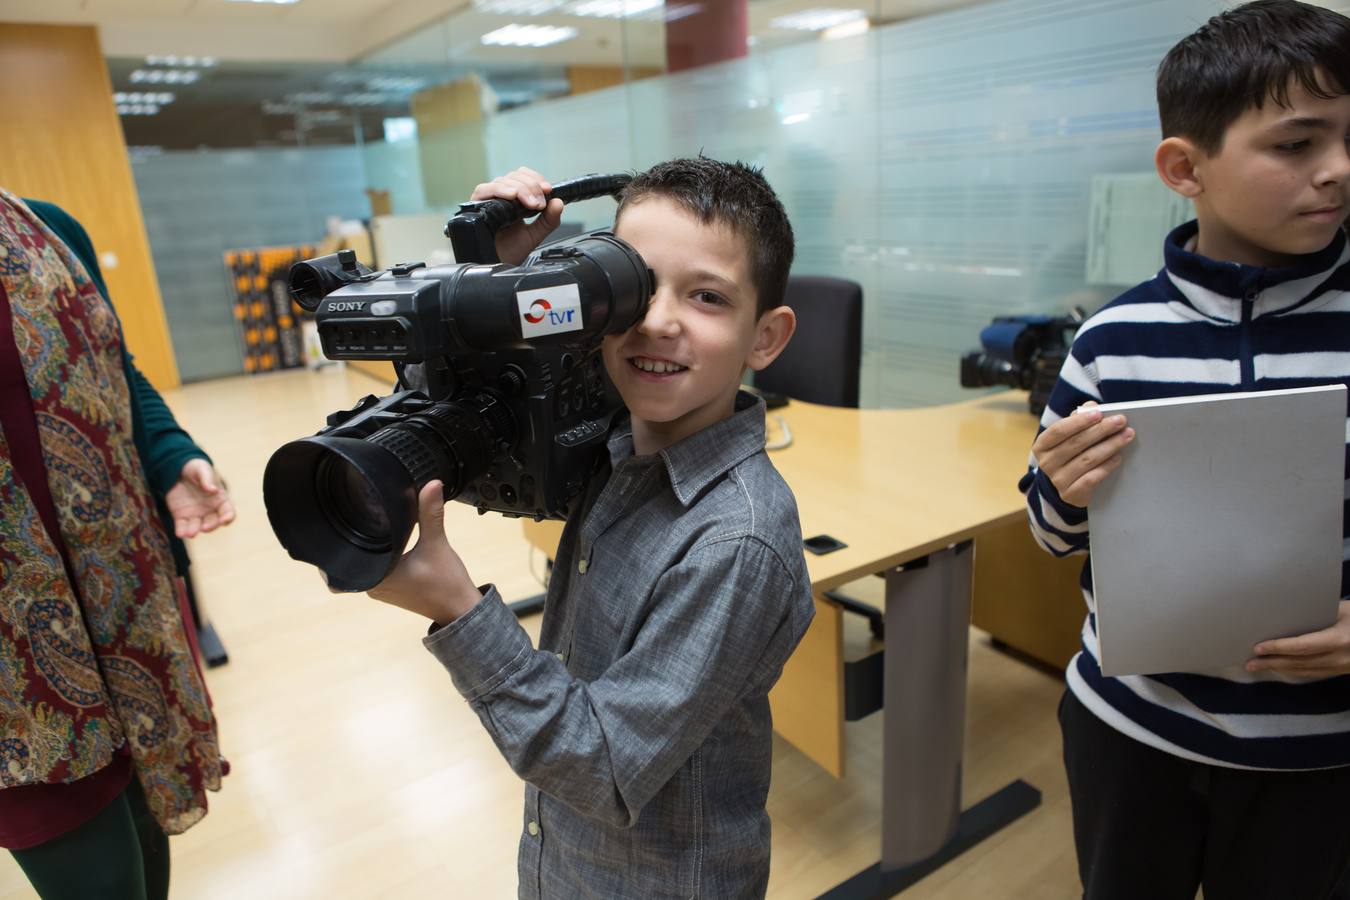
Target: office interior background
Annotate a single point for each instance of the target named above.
(960, 159)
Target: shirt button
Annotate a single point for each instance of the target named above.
(582, 566)
(533, 829)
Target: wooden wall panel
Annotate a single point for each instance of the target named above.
(62, 141)
(1027, 598)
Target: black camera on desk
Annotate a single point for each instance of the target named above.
(1024, 352)
(513, 403)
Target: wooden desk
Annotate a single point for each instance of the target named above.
(896, 485)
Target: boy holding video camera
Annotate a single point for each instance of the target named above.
(641, 723)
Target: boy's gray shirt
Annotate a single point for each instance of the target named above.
(641, 725)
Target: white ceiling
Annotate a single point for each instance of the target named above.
(332, 30)
(343, 30)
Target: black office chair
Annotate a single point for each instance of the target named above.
(822, 364)
(822, 361)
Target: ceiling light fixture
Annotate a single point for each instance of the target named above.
(173, 61)
(517, 7)
(682, 11)
(165, 76)
(312, 98)
(614, 9)
(364, 98)
(515, 35)
(162, 98)
(394, 84)
(817, 19)
(848, 29)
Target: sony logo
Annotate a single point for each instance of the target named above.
(347, 306)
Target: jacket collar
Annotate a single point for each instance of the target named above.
(1216, 289)
(702, 458)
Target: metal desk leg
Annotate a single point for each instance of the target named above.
(922, 825)
(536, 603)
(527, 606)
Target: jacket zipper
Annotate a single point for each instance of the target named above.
(1246, 363)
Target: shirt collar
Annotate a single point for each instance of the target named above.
(698, 460)
(1216, 289)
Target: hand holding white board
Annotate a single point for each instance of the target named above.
(1221, 528)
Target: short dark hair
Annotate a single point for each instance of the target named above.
(732, 194)
(1240, 58)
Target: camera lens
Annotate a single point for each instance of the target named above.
(352, 504)
(348, 504)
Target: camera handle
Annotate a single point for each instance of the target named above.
(473, 230)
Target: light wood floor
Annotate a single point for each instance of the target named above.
(360, 773)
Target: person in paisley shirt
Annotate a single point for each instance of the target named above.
(107, 739)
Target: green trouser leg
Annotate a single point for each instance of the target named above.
(119, 854)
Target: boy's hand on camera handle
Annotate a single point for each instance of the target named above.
(430, 579)
(1080, 450)
(1319, 654)
(530, 189)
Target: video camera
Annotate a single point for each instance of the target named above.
(516, 401)
(1024, 352)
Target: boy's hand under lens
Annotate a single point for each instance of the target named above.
(528, 188)
(430, 579)
(1080, 450)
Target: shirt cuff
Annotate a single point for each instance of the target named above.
(482, 648)
(1072, 515)
(166, 473)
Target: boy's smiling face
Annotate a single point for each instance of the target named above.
(1278, 187)
(679, 369)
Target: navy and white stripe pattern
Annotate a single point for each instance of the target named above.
(1204, 327)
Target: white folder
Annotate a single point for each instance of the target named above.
(1221, 528)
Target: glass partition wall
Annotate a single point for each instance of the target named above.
(960, 159)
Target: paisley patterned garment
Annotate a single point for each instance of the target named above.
(90, 665)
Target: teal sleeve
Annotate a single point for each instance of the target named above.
(167, 446)
(163, 445)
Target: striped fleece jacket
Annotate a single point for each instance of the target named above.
(1203, 327)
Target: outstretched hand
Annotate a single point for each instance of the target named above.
(199, 502)
(430, 579)
(528, 188)
(1319, 654)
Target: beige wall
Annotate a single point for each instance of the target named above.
(61, 141)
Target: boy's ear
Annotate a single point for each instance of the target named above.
(1177, 160)
(772, 332)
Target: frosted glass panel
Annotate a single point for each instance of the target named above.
(565, 138)
(395, 167)
(197, 205)
(994, 122)
(947, 163)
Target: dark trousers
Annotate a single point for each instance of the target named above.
(120, 854)
(1150, 824)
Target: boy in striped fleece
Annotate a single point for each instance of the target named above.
(1237, 780)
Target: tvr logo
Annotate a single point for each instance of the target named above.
(541, 309)
(555, 309)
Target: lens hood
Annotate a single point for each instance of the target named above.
(299, 500)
